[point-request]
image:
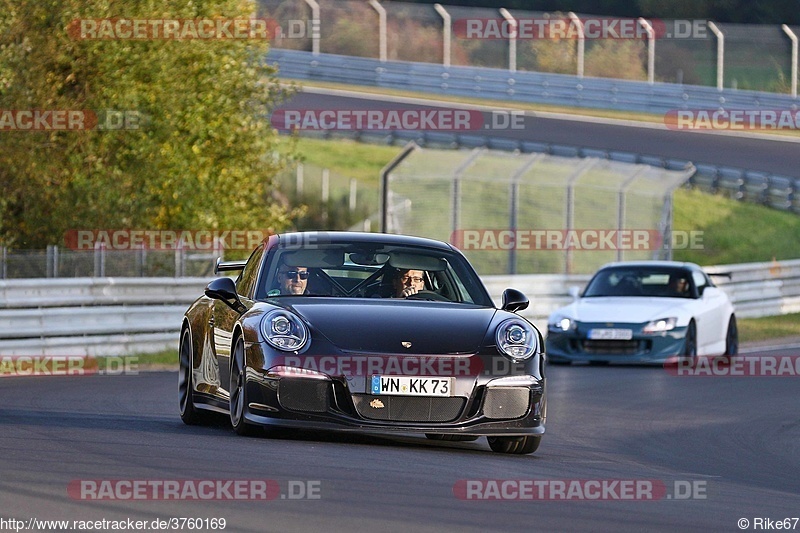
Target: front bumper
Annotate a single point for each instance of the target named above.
(514, 406)
(574, 345)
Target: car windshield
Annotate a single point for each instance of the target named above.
(662, 282)
(371, 270)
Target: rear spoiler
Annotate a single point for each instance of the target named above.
(229, 266)
(723, 274)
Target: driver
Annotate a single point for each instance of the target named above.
(408, 282)
(293, 280)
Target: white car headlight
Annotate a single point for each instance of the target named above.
(516, 339)
(561, 323)
(661, 325)
(284, 331)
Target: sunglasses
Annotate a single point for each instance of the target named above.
(293, 274)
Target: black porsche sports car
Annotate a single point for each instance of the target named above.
(363, 332)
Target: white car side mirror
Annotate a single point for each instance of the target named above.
(574, 291)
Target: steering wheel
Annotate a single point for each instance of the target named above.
(427, 295)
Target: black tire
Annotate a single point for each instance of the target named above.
(690, 345)
(238, 391)
(515, 445)
(451, 438)
(732, 338)
(190, 414)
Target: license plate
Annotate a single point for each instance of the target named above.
(611, 334)
(412, 386)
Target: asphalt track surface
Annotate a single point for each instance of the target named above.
(747, 152)
(735, 438)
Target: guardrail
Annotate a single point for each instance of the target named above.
(775, 191)
(118, 316)
(519, 86)
(93, 316)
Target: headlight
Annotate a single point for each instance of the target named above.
(284, 331)
(561, 324)
(516, 339)
(661, 325)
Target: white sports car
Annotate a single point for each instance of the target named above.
(649, 311)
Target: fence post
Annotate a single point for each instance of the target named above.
(582, 169)
(455, 200)
(793, 36)
(513, 221)
(299, 185)
(447, 24)
(142, 260)
(651, 50)
(353, 193)
(99, 259)
(623, 189)
(381, 28)
(3, 262)
(581, 41)
(325, 193)
(315, 26)
(179, 259)
(512, 39)
(384, 178)
(720, 54)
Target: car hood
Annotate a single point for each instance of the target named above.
(382, 326)
(623, 309)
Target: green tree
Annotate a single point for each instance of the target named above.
(203, 156)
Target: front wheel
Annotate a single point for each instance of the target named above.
(690, 346)
(515, 445)
(238, 397)
(732, 338)
(190, 414)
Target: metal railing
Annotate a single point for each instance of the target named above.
(520, 86)
(700, 52)
(775, 191)
(117, 316)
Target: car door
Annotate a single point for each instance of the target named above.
(709, 313)
(224, 318)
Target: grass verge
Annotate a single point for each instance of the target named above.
(769, 327)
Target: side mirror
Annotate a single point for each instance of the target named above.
(514, 301)
(575, 292)
(708, 291)
(224, 289)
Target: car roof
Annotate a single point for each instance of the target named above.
(348, 237)
(657, 264)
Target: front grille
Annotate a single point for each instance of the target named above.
(506, 402)
(631, 347)
(300, 394)
(408, 408)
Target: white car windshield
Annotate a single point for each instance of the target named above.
(642, 281)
